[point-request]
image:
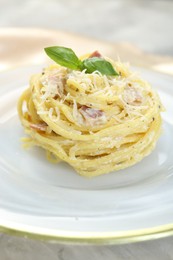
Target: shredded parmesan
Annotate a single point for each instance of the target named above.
(53, 83)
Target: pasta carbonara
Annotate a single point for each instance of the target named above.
(94, 122)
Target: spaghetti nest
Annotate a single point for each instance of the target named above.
(95, 123)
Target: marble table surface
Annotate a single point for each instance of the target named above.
(147, 24)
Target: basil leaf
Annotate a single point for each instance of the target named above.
(63, 56)
(100, 64)
(67, 58)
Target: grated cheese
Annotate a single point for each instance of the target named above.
(53, 83)
(129, 92)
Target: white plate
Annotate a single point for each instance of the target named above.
(51, 201)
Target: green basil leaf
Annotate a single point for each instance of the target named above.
(100, 64)
(64, 56)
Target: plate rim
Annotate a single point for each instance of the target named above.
(94, 238)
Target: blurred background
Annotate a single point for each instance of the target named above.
(145, 23)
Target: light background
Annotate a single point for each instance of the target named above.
(147, 24)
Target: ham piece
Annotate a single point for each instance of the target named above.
(95, 54)
(39, 127)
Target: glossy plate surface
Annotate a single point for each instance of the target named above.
(49, 200)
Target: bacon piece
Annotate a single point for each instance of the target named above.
(53, 82)
(39, 127)
(91, 112)
(93, 116)
(95, 54)
(132, 96)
